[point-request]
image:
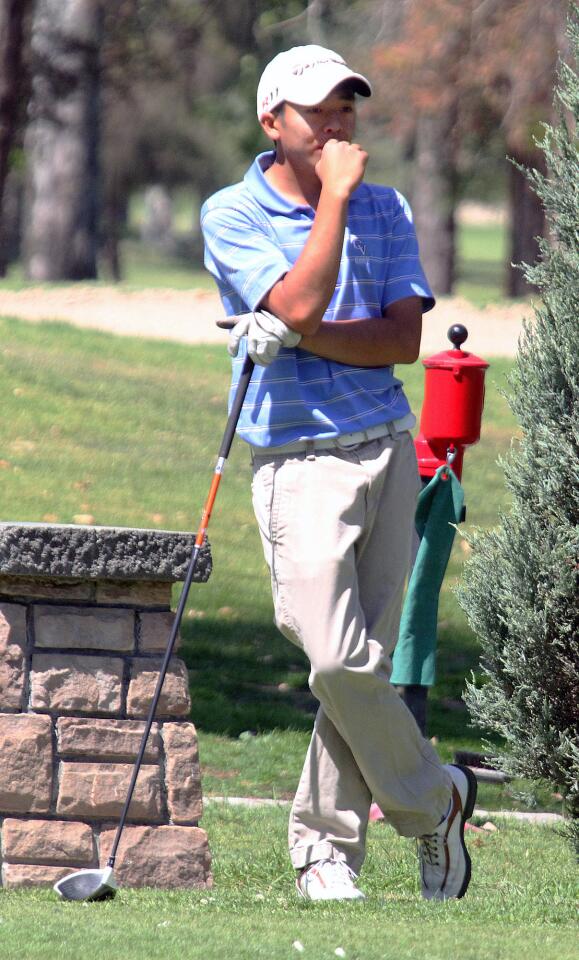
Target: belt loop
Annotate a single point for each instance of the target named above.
(310, 449)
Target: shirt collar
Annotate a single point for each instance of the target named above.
(266, 195)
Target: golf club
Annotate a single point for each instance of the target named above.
(100, 884)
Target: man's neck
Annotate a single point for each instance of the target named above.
(300, 189)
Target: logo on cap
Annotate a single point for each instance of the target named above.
(300, 68)
(269, 98)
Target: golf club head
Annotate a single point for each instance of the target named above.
(87, 885)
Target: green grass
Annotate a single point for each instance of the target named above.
(481, 263)
(269, 765)
(519, 905)
(126, 431)
(143, 269)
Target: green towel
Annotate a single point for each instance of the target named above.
(439, 507)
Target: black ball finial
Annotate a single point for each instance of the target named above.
(457, 334)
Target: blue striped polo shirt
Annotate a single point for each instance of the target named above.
(253, 236)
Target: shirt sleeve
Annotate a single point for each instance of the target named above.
(242, 255)
(406, 278)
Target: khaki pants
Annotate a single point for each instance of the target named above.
(336, 529)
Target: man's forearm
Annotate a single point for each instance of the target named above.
(301, 298)
(372, 342)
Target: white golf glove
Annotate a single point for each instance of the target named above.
(266, 335)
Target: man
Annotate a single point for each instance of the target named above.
(324, 270)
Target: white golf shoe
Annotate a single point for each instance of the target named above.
(328, 880)
(445, 864)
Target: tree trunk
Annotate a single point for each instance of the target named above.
(62, 142)
(315, 29)
(115, 212)
(527, 221)
(11, 219)
(434, 197)
(12, 17)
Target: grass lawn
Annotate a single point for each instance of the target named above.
(519, 906)
(126, 431)
(481, 262)
(143, 269)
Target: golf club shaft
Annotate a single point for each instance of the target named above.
(228, 436)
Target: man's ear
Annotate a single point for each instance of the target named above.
(269, 124)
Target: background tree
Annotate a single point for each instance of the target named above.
(458, 85)
(61, 144)
(178, 100)
(515, 57)
(520, 586)
(13, 18)
(456, 71)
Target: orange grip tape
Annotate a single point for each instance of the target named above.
(206, 515)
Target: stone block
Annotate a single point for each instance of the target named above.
(69, 683)
(26, 763)
(12, 630)
(51, 842)
(182, 774)
(144, 593)
(32, 875)
(154, 631)
(174, 700)
(105, 739)
(45, 588)
(12, 678)
(167, 856)
(99, 790)
(84, 628)
(12, 655)
(98, 553)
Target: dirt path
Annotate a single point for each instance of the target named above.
(190, 315)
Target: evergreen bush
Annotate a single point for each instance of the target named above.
(519, 589)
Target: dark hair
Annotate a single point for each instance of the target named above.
(347, 88)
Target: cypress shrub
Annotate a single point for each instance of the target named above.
(519, 589)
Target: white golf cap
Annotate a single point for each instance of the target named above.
(305, 75)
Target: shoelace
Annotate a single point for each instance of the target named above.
(430, 848)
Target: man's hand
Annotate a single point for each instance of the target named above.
(341, 167)
(303, 294)
(266, 335)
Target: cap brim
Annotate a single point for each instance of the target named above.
(304, 93)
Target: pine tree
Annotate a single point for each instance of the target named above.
(519, 589)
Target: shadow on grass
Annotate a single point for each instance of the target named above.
(482, 272)
(245, 677)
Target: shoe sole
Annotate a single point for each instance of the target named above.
(352, 895)
(466, 815)
(305, 896)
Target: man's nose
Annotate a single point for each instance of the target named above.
(333, 123)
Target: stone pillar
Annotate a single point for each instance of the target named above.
(84, 621)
